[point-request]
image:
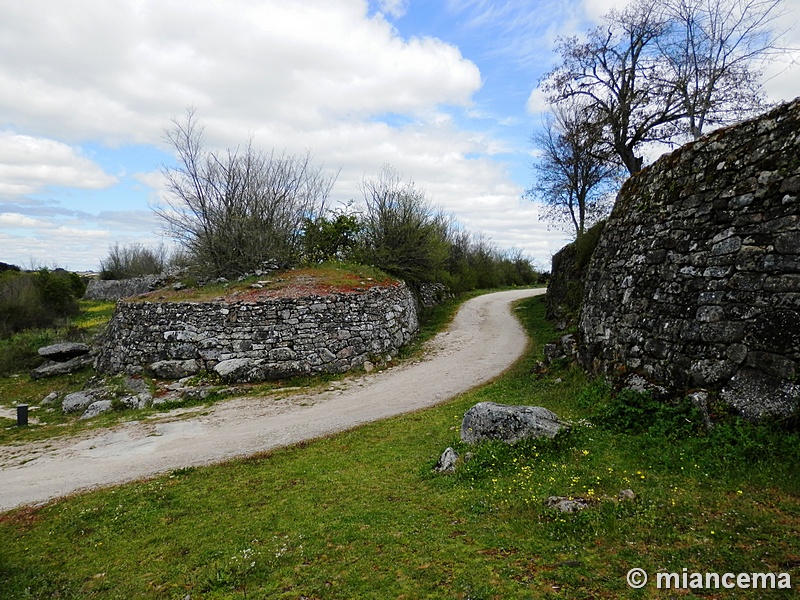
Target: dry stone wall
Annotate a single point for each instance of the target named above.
(695, 282)
(251, 341)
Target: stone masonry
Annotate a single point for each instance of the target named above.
(695, 282)
(267, 339)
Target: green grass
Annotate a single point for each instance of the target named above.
(362, 514)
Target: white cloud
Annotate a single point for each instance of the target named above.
(16, 220)
(27, 164)
(87, 69)
(597, 9)
(393, 8)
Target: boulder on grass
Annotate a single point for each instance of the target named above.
(175, 369)
(54, 369)
(64, 351)
(96, 408)
(510, 424)
(77, 401)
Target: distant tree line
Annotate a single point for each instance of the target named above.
(655, 72)
(36, 299)
(243, 210)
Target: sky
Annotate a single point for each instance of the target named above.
(444, 91)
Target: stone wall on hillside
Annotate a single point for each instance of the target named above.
(695, 282)
(115, 289)
(258, 340)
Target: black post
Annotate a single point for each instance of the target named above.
(22, 415)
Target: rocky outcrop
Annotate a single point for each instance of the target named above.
(510, 424)
(62, 359)
(63, 351)
(115, 289)
(695, 282)
(255, 340)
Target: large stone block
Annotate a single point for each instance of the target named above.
(492, 421)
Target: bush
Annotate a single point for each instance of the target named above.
(134, 260)
(236, 212)
(327, 239)
(634, 412)
(402, 233)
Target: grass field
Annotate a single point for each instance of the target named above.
(363, 515)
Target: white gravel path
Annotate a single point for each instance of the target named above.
(482, 342)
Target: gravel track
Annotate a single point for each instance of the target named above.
(482, 342)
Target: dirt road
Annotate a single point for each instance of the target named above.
(483, 341)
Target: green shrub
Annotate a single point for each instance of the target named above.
(133, 260)
(19, 352)
(37, 299)
(634, 412)
(402, 233)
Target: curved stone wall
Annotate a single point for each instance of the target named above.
(696, 279)
(251, 341)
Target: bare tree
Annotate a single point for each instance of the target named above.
(236, 211)
(660, 68)
(617, 71)
(714, 50)
(133, 260)
(575, 173)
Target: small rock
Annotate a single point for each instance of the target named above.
(96, 408)
(136, 384)
(447, 461)
(51, 398)
(368, 366)
(569, 345)
(196, 393)
(627, 495)
(76, 402)
(566, 504)
(552, 352)
(178, 286)
(138, 401)
(699, 400)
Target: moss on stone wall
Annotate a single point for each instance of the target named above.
(695, 281)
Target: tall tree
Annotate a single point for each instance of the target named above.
(661, 68)
(575, 173)
(618, 72)
(714, 50)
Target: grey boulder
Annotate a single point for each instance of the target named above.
(175, 369)
(447, 462)
(64, 351)
(492, 421)
(76, 402)
(237, 370)
(54, 369)
(96, 408)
